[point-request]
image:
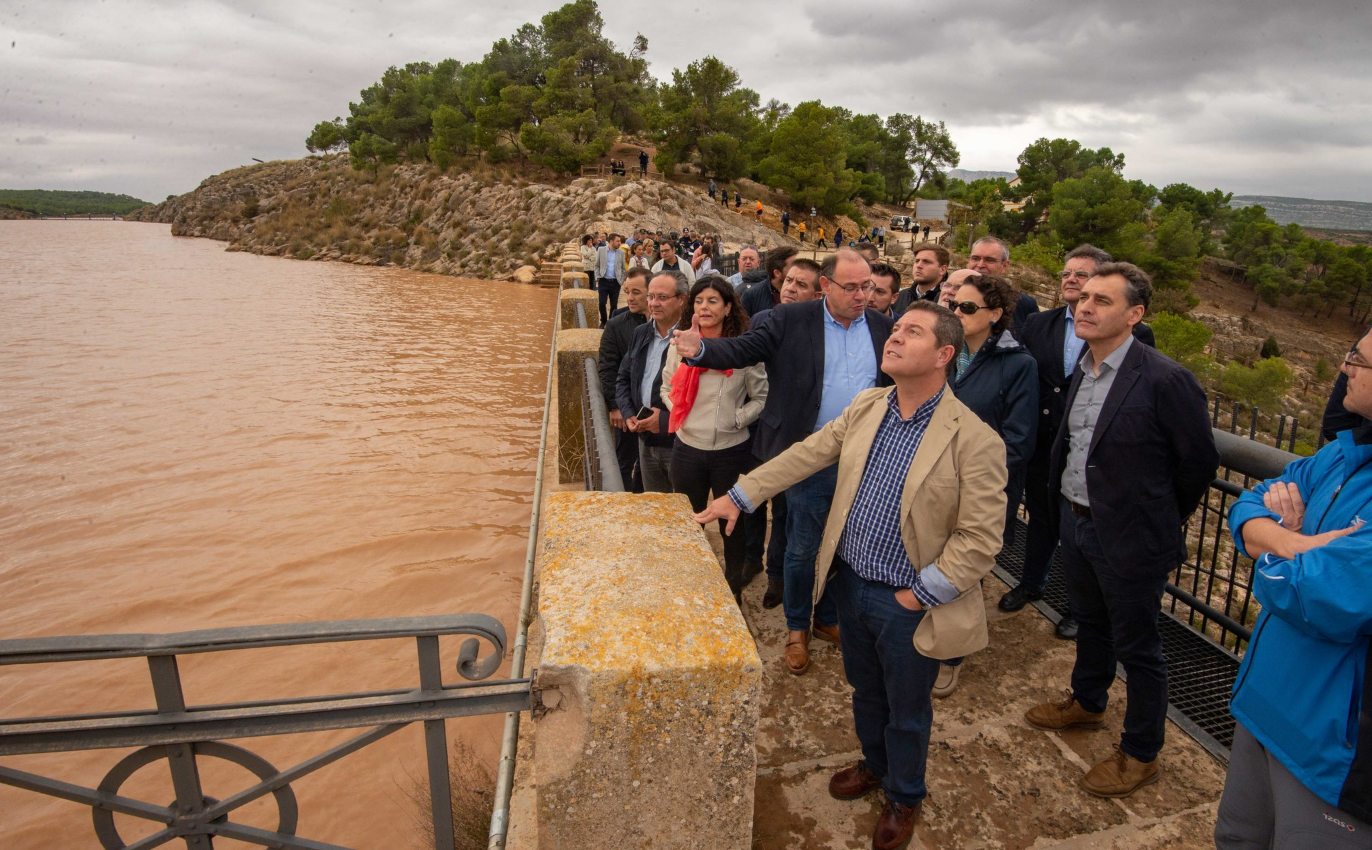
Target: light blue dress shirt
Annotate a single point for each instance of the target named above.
(850, 365)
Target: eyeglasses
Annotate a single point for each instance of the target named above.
(854, 288)
(1354, 360)
(672, 297)
(1078, 275)
(969, 308)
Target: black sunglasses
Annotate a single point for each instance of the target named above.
(969, 308)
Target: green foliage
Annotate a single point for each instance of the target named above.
(1324, 371)
(807, 159)
(1041, 252)
(560, 85)
(1176, 253)
(705, 102)
(1260, 385)
(924, 148)
(1178, 337)
(1270, 348)
(1102, 208)
(54, 202)
(1048, 162)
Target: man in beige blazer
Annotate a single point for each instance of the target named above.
(915, 524)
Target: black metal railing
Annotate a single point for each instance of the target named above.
(185, 735)
(600, 463)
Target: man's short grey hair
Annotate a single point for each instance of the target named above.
(752, 248)
(683, 286)
(995, 240)
(1138, 288)
(1089, 252)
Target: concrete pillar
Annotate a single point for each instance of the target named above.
(651, 682)
(576, 280)
(573, 347)
(587, 298)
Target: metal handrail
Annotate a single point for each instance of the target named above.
(183, 734)
(509, 742)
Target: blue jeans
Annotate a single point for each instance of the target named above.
(1117, 617)
(892, 709)
(807, 507)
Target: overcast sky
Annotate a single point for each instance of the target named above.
(149, 97)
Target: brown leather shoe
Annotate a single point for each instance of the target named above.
(829, 633)
(1065, 714)
(895, 826)
(1120, 775)
(853, 782)
(797, 655)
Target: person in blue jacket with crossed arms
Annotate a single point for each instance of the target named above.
(1300, 773)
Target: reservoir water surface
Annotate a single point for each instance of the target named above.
(193, 439)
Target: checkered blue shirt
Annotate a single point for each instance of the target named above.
(871, 541)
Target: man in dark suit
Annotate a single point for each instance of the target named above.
(1050, 336)
(639, 383)
(758, 297)
(819, 355)
(614, 343)
(1131, 461)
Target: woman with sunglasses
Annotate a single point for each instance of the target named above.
(711, 411)
(998, 379)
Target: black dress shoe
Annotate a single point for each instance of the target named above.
(772, 597)
(1067, 628)
(1017, 597)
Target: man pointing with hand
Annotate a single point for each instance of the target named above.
(918, 510)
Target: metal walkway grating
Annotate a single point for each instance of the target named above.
(1200, 674)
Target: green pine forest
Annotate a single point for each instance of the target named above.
(52, 202)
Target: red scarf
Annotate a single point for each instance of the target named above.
(685, 386)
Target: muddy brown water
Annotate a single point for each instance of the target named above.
(191, 438)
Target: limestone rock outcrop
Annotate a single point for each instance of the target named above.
(479, 223)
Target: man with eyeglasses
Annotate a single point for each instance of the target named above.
(638, 387)
(671, 262)
(1050, 336)
(822, 353)
(992, 256)
(1300, 773)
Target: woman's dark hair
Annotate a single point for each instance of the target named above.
(587, 238)
(999, 294)
(735, 323)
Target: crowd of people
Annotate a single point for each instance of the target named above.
(894, 431)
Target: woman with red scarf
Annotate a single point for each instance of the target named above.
(711, 411)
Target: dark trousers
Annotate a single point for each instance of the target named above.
(699, 473)
(776, 544)
(626, 453)
(1117, 615)
(892, 709)
(807, 508)
(609, 294)
(1041, 538)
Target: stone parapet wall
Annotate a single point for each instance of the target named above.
(649, 679)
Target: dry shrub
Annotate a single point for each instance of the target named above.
(473, 796)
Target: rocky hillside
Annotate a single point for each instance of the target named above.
(483, 224)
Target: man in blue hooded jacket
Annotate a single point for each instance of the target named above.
(1300, 774)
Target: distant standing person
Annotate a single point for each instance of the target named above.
(821, 243)
(738, 201)
(611, 261)
(712, 189)
(643, 163)
(838, 236)
(785, 222)
(800, 229)
(926, 233)
(589, 259)
(757, 210)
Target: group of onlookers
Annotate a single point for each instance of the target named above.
(895, 432)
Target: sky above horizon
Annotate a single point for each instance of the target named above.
(149, 97)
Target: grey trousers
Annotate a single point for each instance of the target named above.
(1264, 807)
(654, 464)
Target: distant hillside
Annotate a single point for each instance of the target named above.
(969, 176)
(1307, 212)
(52, 202)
